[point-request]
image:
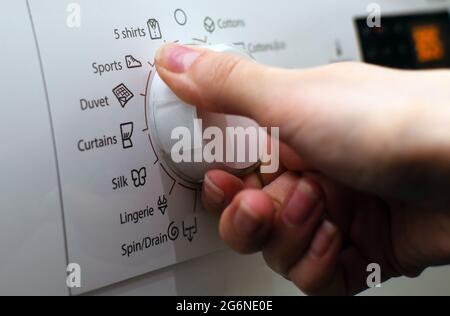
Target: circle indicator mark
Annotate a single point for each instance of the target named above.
(180, 17)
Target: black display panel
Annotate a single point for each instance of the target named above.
(418, 41)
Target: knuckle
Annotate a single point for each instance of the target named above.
(275, 263)
(219, 79)
(211, 206)
(304, 283)
(214, 77)
(243, 246)
(223, 69)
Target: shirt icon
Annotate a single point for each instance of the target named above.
(154, 29)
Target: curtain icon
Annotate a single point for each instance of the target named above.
(126, 131)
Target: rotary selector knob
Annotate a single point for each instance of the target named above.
(171, 119)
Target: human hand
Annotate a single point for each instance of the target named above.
(366, 166)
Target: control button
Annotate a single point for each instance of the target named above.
(170, 119)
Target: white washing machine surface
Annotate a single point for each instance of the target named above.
(84, 182)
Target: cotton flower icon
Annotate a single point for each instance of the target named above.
(209, 24)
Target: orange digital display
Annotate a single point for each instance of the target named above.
(428, 43)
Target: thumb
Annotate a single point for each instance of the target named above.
(224, 83)
(323, 101)
(333, 116)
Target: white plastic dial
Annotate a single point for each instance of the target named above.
(168, 113)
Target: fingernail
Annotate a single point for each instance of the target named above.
(213, 193)
(176, 58)
(301, 204)
(246, 222)
(323, 239)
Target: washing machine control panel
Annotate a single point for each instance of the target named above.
(128, 210)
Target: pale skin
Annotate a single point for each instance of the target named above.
(366, 166)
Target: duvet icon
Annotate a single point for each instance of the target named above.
(139, 177)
